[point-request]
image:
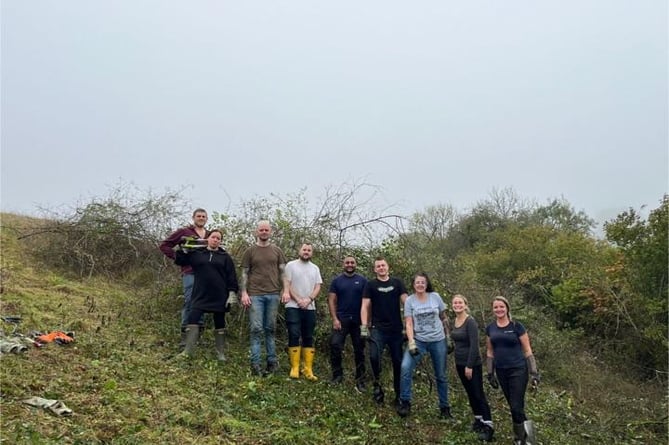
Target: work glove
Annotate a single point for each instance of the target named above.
(494, 383)
(535, 378)
(413, 349)
(364, 332)
(232, 300)
(59, 337)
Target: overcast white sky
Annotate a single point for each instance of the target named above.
(436, 102)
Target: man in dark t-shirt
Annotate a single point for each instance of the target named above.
(382, 323)
(344, 303)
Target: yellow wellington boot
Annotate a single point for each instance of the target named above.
(308, 357)
(294, 357)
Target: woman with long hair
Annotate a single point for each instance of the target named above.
(468, 364)
(509, 356)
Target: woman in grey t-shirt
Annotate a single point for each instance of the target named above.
(425, 318)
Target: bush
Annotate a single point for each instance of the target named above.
(111, 237)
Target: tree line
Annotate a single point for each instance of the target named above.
(611, 293)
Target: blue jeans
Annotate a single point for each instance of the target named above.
(188, 281)
(378, 341)
(262, 320)
(437, 351)
(514, 383)
(301, 323)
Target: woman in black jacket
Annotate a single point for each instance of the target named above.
(215, 281)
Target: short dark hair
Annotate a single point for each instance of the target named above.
(199, 210)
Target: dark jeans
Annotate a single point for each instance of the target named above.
(514, 383)
(300, 323)
(349, 326)
(195, 316)
(378, 341)
(474, 389)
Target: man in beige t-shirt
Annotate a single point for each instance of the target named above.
(262, 287)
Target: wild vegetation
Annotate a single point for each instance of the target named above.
(596, 310)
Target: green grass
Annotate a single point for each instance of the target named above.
(125, 384)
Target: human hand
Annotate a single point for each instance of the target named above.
(535, 379)
(364, 331)
(246, 300)
(413, 349)
(336, 324)
(468, 373)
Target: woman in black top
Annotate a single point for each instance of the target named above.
(215, 280)
(509, 359)
(465, 336)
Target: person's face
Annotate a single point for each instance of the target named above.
(305, 252)
(200, 219)
(263, 232)
(499, 309)
(458, 305)
(350, 265)
(381, 268)
(420, 284)
(214, 240)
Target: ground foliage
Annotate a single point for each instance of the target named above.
(126, 386)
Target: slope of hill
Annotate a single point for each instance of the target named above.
(125, 385)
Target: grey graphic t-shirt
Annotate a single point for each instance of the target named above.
(427, 325)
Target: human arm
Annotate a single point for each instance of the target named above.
(245, 300)
(304, 302)
(182, 258)
(231, 283)
(173, 240)
(285, 293)
(365, 314)
(332, 307)
(535, 378)
(489, 362)
(472, 330)
(411, 341)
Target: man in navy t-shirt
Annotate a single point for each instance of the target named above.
(344, 302)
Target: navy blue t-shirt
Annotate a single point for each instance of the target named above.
(349, 291)
(506, 344)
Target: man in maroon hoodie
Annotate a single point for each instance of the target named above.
(195, 230)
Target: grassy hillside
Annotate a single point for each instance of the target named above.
(125, 386)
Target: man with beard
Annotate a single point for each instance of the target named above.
(262, 281)
(197, 231)
(304, 282)
(344, 303)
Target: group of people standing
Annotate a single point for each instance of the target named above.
(378, 313)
